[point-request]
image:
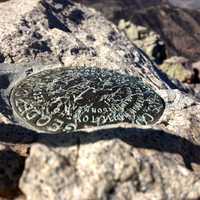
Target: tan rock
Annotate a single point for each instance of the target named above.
(178, 68)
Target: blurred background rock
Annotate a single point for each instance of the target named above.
(179, 28)
(167, 30)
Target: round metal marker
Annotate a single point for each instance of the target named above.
(63, 100)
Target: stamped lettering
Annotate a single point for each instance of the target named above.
(63, 100)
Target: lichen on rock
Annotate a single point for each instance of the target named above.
(178, 68)
(145, 39)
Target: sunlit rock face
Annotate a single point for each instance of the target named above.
(62, 100)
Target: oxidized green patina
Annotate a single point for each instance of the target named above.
(63, 100)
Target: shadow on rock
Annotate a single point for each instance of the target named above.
(139, 138)
(11, 169)
(53, 20)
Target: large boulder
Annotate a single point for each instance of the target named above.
(120, 161)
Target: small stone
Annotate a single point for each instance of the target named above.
(178, 68)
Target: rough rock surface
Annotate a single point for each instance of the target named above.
(126, 161)
(179, 28)
(196, 89)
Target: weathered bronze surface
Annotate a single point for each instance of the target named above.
(63, 100)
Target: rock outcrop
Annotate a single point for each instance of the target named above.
(121, 161)
(149, 41)
(179, 28)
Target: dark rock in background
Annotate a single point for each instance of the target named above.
(179, 28)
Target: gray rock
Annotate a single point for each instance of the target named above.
(46, 31)
(121, 161)
(111, 164)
